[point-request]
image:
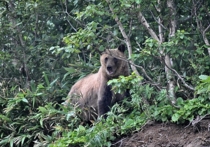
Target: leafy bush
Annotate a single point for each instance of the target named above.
(30, 116)
(186, 110)
(49, 123)
(123, 118)
(128, 117)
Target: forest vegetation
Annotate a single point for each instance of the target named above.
(46, 46)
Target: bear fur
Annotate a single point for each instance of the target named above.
(91, 93)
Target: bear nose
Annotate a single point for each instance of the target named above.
(109, 68)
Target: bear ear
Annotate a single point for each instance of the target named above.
(121, 48)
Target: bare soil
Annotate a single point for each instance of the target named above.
(155, 134)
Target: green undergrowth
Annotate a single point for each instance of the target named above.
(29, 119)
(102, 132)
(130, 116)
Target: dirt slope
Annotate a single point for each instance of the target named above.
(168, 135)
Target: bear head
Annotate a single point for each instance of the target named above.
(113, 62)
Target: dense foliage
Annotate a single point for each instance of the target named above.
(48, 45)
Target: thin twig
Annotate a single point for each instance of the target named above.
(117, 37)
(196, 120)
(178, 75)
(130, 28)
(204, 32)
(157, 21)
(142, 69)
(120, 141)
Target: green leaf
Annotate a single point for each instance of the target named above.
(138, 1)
(23, 139)
(203, 77)
(180, 101)
(127, 5)
(203, 90)
(38, 94)
(175, 117)
(25, 100)
(70, 69)
(4, 118)
(41, 122)
(52, 83)
(42, 109)
(81, 129)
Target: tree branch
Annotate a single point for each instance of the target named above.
(200, 25)
(205, 38)
(159, 23)
(147, 26)
(127, 39)
(142, 69)
(180, 77)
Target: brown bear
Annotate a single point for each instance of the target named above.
(91, 93)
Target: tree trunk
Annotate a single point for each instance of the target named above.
(167, 59)
(16, 28)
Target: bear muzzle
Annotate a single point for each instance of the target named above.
(110, 70)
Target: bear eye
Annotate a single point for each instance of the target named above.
(115, 60)
(106, 59)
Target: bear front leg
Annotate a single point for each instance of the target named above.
(104, 100)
